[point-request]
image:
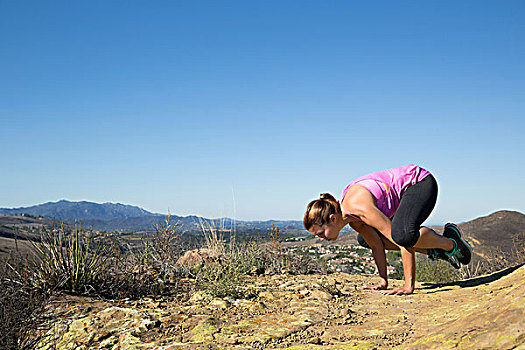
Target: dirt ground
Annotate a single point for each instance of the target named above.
(303, 312)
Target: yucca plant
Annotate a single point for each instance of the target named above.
(68, 261)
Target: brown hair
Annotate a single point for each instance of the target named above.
(319, 210)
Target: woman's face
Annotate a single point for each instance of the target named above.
(329, 231)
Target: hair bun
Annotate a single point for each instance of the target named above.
(327, 196)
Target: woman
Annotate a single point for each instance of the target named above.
(387, 209)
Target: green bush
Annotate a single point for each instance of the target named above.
(223, 280)
(435, 271)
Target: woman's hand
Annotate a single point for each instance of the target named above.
(399, 291)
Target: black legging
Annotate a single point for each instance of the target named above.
(415, 206)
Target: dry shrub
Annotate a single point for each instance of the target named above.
(164, 243)
(21, 306)
(128, 277)
(147, 270)
(518, 241)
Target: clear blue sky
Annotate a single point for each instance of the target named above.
(198, 107)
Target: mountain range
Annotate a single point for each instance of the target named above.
(65, 210)
(128, 218)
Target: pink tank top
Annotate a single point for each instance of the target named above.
(388, 186)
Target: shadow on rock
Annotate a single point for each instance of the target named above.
(473, 282)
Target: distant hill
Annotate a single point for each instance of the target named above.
(67, 211)
(19, 226)
(489, 235)
(127, 218)
(23, 228)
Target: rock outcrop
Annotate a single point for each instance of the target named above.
(196, 257)
(306, 312)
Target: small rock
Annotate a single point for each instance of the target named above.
(219, 303)
(266, 295)
(199, 297)
(314, 340)
(322, 295)
(108, 343)
(285, 285)
(230, 300)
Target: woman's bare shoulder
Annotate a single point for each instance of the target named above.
(356, 198)
(356, 193)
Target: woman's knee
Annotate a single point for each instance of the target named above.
(406, 237)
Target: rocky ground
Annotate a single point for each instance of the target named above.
(304, 312)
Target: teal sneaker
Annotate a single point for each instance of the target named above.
(439, 254)
(462, 250)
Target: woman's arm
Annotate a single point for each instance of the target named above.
(378, 252)
(409, 268)
(362, 204)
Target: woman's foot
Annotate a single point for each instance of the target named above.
(462, 250)
(439, 254)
